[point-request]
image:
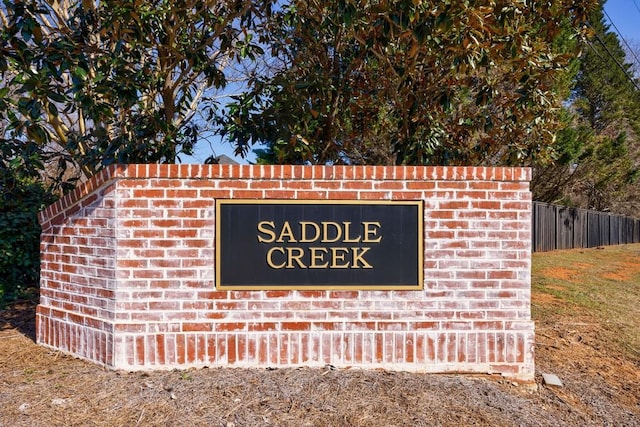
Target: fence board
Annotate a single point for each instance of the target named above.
(561, 227)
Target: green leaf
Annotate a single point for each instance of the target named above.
(80, 73)
(38, 134)
(53, 110)
(56, 97)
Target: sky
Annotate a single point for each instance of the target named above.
(623, 16)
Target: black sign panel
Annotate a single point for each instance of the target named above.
(278, 244)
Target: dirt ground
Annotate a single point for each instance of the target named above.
(601, 387)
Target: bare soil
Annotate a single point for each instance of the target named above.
(601, 383)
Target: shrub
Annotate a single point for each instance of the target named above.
(21, 197)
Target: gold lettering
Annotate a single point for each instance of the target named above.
(317, 254)
(319, 257)
(303, 227)
(325, 232)
(297, 257)
(286, 232)
(338, 254)
(371, 229)
(347, 237)
(269, 232)
(270, 258)
(358, 254)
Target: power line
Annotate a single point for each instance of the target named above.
(636, 4)
(606, 48)
(621, 37)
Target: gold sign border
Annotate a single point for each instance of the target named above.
(417, 287)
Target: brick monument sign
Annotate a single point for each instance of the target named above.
(422, 269)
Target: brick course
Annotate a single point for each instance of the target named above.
(128, 274)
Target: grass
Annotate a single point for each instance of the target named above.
(603, 284)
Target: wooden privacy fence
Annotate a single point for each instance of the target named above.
(561, 227)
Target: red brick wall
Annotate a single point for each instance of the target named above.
(128, 274)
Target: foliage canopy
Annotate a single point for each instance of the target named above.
(93, 83)
(410, 82)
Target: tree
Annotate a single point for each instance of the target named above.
(86, 84)
(92, 83)
(598, 163)
(409, 82)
